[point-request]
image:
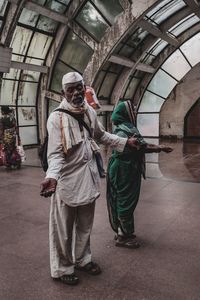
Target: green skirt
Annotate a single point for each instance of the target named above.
(123, 190)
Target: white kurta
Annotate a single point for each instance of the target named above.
(76, 172)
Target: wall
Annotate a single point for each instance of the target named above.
(179, 102)
(192, 123)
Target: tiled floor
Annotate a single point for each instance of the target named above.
(167, 225)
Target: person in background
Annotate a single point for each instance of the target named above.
(9, 137)
(91, 97)
(125, 170)
(73, 181)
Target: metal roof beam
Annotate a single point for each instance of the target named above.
(46, 12)
(174, 19)
(194, 5)
(123, 61)
(158, 33)
(28, 67)
(43, 11)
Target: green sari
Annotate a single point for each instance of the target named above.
(125, 170)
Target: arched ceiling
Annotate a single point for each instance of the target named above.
(114, 44)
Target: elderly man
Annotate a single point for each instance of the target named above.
(73, 181)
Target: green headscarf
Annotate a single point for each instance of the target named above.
(123, 118)
(120, 114)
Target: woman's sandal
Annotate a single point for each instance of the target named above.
(70, 279)
(130, 243)
(133, 236)
(91, 268)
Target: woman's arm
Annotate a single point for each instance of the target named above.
(152, 148)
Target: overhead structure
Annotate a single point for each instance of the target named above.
(139, 50)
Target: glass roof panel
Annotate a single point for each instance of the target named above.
(28, 135)
(66, 2)
(150, 103)
(75, 52)
(98, 80)
(30, 76)
(133, 39)
(137, 37)
(28, 17)
(35, 61)
(184, 24)
(3, 5)
(9, 92)
(148, 124)
(55, 5)
(27, 93)
(126, 51)
(110, 9)
(176, 65)
(47, 24)
(13, 74)
(107, 85)
(92, 21)
(165, 9)
(27, 116)
(148, 58)
(131, 88)
(19, 58)
(20, 40)
(191, 49)
(157, 47)
(115, 68)
(162, 84)
(157, 8)
(59, 70)
(41, 2)
(39, 45)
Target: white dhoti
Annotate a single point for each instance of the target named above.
(70, 229)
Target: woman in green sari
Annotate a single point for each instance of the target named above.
(125, 170)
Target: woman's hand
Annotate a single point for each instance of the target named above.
(133, 143)
(166, 149)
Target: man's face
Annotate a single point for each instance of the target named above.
(74, 93)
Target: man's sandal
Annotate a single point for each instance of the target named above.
(91, 268)
(70, 279)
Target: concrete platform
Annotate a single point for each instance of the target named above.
(166, 266)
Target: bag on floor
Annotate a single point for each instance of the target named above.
(20, 149)
(21, 152)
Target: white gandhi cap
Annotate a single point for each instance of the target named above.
(71, 77)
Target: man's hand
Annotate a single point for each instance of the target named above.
(48, 187)
(166, 149)
(133, 143)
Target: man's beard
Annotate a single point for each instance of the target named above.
(77, 101)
